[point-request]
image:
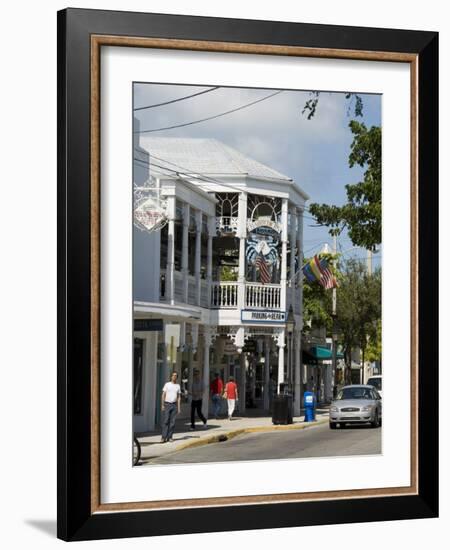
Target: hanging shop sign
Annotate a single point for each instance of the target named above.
(148, 325)
(249, 346)
(262, 223)
(229, 348)
(264, 316)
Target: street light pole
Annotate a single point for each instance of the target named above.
(290, 322)
(334, 329)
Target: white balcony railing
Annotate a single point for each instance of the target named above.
(256, 295)
(262, 296)
(224, 295)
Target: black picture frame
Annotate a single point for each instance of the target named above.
(76, 520)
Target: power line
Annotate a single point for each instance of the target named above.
(208, 178)
(178, 172)
(195, 175)
(208, 118)
(175, 100)
(199, 176)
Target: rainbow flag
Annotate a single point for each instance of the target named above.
(317, 270)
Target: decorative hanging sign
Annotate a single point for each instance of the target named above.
(264, 222)
(150, 209)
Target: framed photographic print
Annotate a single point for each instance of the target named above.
(247, 274)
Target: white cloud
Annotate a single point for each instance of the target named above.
(312, 152)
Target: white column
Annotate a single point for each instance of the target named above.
(242, 234)
(298, 373)
(209, 257)
(198, 236)
(194, 337)
(266, 372)
(242, 382)
(281, 345)
(292, 239)
(284, 217)
(206, 348)
(191, 362)
(170, 269)
(300, 260)
(185, 252)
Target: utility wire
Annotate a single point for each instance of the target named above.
(208, 118)
(202, 177)
(207, 178)
(175, 100)
(188, 176)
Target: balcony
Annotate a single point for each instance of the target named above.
(224, 295)
(259, 296)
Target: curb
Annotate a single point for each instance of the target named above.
(234, 433)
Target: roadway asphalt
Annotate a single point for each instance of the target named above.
(316, 441)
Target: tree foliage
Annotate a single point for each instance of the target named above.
(317, 304)
(373, 351)
(358, 309)
(355, 104)
(228, 273)
(361, 215)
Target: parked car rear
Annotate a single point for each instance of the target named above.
(377, 382)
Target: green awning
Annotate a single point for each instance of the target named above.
(319, 353)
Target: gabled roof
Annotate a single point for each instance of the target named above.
(208, 157)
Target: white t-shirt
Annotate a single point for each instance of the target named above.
(172, 390)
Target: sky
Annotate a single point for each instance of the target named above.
(314, 153)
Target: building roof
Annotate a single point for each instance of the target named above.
(208, 157)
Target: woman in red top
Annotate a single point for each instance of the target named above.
(231, 395)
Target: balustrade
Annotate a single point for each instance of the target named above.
(224, 295)
(259, 296)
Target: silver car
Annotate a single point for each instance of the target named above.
(356, 404)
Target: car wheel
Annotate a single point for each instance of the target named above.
(333, 425)
(375, 423)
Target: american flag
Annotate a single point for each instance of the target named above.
(327, 279)
(263, 267)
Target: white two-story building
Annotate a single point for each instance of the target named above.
(218, 287)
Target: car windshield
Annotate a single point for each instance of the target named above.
(375, 382)
(354, 393)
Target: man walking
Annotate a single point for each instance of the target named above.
(231, 395)
(216, 389)
(170, 406)
(197, 399)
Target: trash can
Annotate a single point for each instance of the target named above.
(309, 402)
(282, 409)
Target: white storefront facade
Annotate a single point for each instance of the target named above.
(219, 287)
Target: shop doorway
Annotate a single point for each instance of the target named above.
(138, 374)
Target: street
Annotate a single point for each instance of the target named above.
(316, 441)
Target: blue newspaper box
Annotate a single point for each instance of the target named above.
(309, 402)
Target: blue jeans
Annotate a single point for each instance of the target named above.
(168, 425)
(217, 404)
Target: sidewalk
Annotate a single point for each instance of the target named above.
(217, 430)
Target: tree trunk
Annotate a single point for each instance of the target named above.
(348, 366)
(363, 367)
